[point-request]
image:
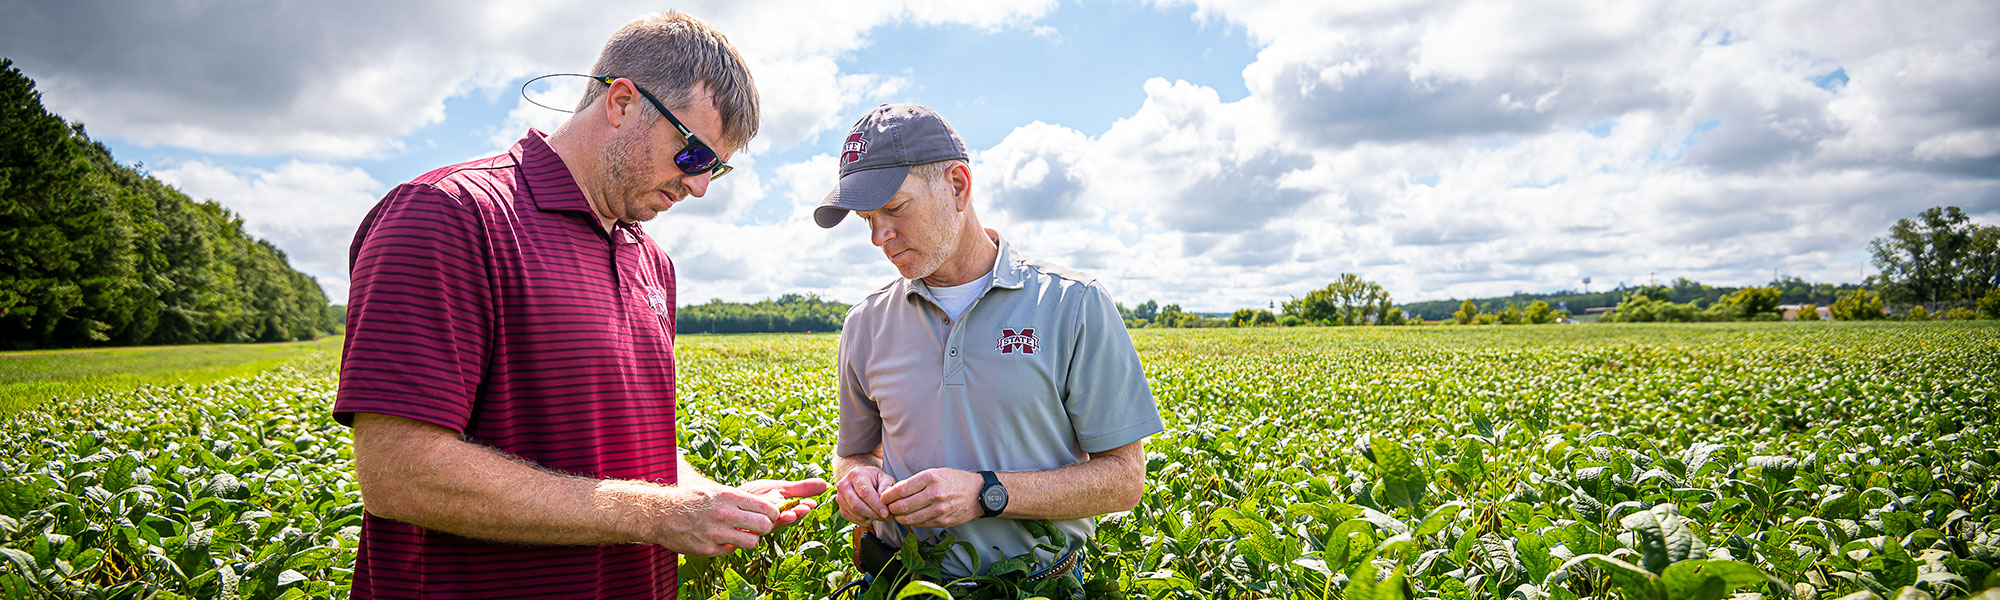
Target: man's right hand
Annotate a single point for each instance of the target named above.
(709, 519)
(860, 495)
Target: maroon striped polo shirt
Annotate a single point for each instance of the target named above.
(487, 300)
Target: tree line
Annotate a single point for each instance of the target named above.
(789, 313)
(1791, 290)
(1940, 265)
(99, 254)
(1348, 300)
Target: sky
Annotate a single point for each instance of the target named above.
(1217, 154)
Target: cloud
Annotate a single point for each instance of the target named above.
(348, 80)
(1444, 149)
(1036, 174)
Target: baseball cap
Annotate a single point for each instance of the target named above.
(878, 153)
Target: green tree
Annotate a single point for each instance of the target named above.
(1938, 257)
(1349, 300)
(787, 313)
(1394, 316)
(1989, 304)
(1746, 304)
(1467, 313)
(1146, 312)
(1512, 315)
(1808, 312)
(1858, 305)
(1917, 313)
(1252, 317)
(99, 254)
(1538, 313)
(66, 267)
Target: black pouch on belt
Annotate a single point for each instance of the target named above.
(876, 557)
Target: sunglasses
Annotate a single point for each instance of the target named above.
(695, 158)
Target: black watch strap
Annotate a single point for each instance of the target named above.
(992, 496)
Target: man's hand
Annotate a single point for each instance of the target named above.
(778, 491)
(708, 519)
(936, 498)
(860, 495)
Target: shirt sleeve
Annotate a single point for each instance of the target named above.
(420, 316)
(1107, 397)
(860, 417)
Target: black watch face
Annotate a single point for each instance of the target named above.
(994, 498)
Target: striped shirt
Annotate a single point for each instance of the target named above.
(487, 300)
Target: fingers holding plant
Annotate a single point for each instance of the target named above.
(791, 499)
(860, 495)
(935, 498)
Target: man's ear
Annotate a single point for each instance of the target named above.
(960, 177)
(620, 101)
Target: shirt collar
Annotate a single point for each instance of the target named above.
(550, 183)
(1009, 272)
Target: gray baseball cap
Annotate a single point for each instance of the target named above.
(877, 155)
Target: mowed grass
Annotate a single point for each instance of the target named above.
(30, 378)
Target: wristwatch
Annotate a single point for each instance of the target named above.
(992, 497)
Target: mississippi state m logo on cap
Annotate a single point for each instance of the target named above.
(1022, 340)
(852, 150)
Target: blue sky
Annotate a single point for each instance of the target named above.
(1211, 153)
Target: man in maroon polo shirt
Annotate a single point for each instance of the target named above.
(509, 365)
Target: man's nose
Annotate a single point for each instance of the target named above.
(697, 184)
(879, 234)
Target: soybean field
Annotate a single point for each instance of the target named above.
(1767, 460)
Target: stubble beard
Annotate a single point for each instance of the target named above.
(628, 175)
(941, 222)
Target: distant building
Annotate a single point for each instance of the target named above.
(1792, 312)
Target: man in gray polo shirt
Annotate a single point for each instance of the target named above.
(983, 386)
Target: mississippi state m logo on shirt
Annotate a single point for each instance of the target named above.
(1022, 340)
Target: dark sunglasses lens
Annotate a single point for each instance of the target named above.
(695, 159)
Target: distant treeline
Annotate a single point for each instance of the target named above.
(97, 254)
(1791, 290)
(789, 313)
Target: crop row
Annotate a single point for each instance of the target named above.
(1667, 461)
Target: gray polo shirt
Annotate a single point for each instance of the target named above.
(1037, 373)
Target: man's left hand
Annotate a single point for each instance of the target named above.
(781, 490)
(936, 498)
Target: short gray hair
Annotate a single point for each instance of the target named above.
(668, 53)
(934, 171)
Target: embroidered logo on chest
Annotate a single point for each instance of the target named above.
(658, 304)
(1018, 340)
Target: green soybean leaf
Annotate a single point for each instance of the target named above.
(1634, 581)
(1840, 506)
(118, 474)
(1402, 481)
(920, 589)
(1439, 518)
(1898, 569)
(21, 561)
(1664, 537)
(1711, 579)
(1777, 471)
(736, 587)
